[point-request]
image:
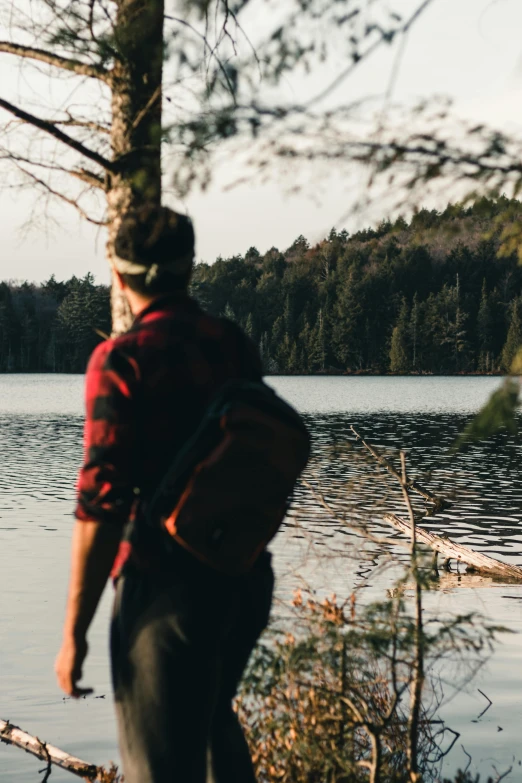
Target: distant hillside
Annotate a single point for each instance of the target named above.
(430, 296)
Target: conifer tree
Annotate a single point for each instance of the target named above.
(514, 337)
(283, 354)
(414, 330)
(459, 342)
(292, 364)
(346, 322)
(8, 329)
(307, 359)
(276, 337)
(288, 315)
(249, 326)
(229, 313)
(399, 359)
(317, 352)
(484, 332)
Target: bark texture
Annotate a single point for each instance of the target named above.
(12, 735)
(136, 83)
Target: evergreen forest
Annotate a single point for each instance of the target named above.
(439, 294)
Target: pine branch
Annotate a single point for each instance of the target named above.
(76, 66)
(52, 130)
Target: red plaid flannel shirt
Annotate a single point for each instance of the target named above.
(146, 392)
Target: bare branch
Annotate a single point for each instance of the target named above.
(371, 49)
(76, 66)
(156, 96)
(52, 130)
(439, 503)
(89, 124)
(89, 177)
(211, 49)
(72, 202)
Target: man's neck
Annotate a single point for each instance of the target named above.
(138, 302)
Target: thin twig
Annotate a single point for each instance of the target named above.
(369, 51)
(156, 96)
(504, 774)
(48, 769)
(486, 708)
(357, 528)
(418, 665)
(468, 765)
(56, 193)
(414, 486)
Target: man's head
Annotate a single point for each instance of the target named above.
(154, 250)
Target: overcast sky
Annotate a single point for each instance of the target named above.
(470, 50)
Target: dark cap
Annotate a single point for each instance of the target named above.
(152, 238)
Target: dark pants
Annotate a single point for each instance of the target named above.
(179, 646)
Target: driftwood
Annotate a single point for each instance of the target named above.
(483, 564)
(12, 735)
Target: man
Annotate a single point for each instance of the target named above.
(181, 633)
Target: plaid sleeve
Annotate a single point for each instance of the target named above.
(105, 489)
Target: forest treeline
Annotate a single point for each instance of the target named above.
(433, 295)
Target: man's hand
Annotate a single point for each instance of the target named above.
(68, 666)
(94, 548)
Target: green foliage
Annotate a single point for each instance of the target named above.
(514, 337)
(52, 327)
(335, 307)
(399, 361)
(431, 297)
(498, 415)
(485, 331)
(77, 317)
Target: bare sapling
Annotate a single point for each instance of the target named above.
(418, 664)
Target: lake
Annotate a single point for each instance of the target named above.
(40, 451)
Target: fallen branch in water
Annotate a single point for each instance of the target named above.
(13, 735)
(414, 486)
(476, 561)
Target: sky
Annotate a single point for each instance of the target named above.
(468, 50)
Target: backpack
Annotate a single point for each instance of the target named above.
(226, 493)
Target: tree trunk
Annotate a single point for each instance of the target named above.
(136, 123)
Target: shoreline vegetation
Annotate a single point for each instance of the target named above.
(438, 295)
